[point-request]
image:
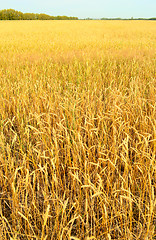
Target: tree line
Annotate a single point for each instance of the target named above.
(11, 14)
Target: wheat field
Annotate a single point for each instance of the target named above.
(77, 130)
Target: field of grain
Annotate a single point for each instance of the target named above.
(77, 130)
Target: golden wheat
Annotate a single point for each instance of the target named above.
(77, 130)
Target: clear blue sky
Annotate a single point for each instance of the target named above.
(85, 8)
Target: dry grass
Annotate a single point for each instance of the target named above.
(78, 130)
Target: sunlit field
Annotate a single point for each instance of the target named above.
(77, 130)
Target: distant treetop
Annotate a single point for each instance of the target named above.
(11, 14)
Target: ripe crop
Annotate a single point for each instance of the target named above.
(77, 130)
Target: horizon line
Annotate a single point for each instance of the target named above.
(86, 18)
